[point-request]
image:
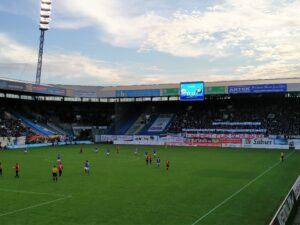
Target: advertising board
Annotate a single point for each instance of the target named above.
(170, 92)
(87, 94)
(138, 93)
(12, 85)
(215, 90)
(192, 91)
(48, 90)
(213, 135)
(259, 88)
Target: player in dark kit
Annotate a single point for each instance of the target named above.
(1, 169)
(147, 159)
(150, 159)
(168, 164)
(54, 173)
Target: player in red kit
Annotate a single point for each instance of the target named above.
(17, 169)
(60, 168)
(150, 159)
(168, 164)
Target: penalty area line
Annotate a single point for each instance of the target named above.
(34, 206)
(32, 192)
(238, 191)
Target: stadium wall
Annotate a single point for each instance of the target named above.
(4, 141)
(178, 140)
(20, 146)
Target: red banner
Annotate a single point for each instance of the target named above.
(227, 136)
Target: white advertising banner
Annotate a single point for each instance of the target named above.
(160, 123)
(296, 188)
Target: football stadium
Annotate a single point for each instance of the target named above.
(190, 151)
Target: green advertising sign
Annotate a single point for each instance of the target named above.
(170, 92)
(215, 90)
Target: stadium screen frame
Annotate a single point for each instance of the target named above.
(192, 86)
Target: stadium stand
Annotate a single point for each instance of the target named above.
(12, 127)
(260, 114)
(275, 116)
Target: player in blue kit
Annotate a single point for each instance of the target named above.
(87, 167)
(154, 153)
(58, 158)
(158, 162)
(107, 151)
(136, 151)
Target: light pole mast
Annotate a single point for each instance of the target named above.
(44, 26)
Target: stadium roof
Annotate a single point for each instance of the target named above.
(110, 91)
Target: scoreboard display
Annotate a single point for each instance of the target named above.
(192, 91)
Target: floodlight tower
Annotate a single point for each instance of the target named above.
(44, 26)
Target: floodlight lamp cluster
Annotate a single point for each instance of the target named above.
(45, 14)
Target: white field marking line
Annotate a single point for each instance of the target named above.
(238, 191)
(32, 192)
(35, 206)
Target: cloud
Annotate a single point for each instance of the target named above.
(213, 31)
(20, 62)
(259, 39)
(270, 70)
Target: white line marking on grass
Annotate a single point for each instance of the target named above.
(238, 191)
(32, 192)
(35, 206)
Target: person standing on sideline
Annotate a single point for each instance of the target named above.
(54, 173)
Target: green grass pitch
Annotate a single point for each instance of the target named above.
(204, 186)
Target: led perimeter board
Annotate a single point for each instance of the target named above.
(192, 91)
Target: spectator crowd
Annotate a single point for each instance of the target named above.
(280, 117)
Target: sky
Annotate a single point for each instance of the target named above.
(117, 42)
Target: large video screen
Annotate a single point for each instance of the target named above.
(192, 91)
